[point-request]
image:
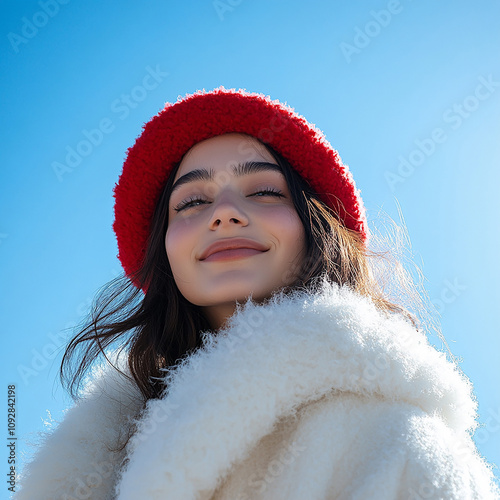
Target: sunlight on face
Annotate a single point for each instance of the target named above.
(232, 230)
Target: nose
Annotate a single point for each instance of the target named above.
(226, 213)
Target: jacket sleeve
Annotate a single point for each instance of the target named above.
(444, 463)
(419, 457)
(82, 457)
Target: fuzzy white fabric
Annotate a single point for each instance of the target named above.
(309, 397)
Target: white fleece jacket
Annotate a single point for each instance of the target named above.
(311, 397)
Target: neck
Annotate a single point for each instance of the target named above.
(218, 315)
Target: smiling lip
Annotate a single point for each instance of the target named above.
(234, 248)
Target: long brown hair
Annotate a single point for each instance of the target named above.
(160, 328)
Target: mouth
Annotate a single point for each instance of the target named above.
(233, 254)
(232, 249)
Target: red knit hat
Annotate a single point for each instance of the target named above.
(194, 118)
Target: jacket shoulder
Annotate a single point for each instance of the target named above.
(443, 461)
(82, 456)
(401, 451)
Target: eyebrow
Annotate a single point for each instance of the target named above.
(246, 168)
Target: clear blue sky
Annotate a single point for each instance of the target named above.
(407, 91)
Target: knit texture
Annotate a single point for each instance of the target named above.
(179, 126)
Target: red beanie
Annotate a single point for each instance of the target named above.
(194, 118)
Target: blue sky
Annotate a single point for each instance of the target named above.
(408, 92)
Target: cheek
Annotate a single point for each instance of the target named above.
(177, 243)
(290, 229)
(293, 248)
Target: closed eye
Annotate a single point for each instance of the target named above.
(269, 192)
(191, 202)
(197, 201)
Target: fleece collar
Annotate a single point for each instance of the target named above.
(270, 360)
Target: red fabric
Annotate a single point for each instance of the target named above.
(179, 126)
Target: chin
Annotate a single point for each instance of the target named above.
(239, 294)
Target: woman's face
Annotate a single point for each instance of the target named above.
(232, 228)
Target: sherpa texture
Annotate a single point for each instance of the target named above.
(194, 118)
(318, 397)
(81, 458)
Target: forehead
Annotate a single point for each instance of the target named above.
(222, 152)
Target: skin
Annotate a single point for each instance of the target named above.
(228, 206)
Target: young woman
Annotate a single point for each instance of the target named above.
(250, 352)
